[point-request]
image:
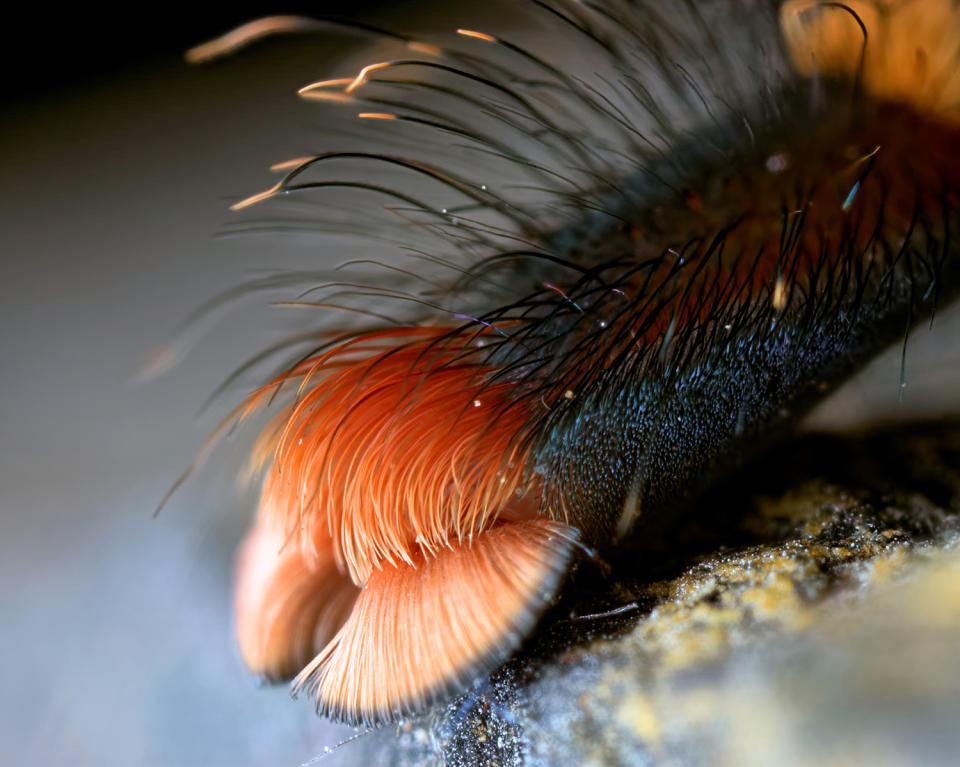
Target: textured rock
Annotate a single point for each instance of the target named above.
(808, 613)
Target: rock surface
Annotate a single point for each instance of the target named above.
(808, 613)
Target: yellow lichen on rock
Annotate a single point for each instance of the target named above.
(638, 712)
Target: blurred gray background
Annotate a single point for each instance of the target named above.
(116, 634)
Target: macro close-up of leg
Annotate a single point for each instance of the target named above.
(588, 394)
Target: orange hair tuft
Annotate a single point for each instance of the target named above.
(286, 608)
(420, 629)
(407, 449)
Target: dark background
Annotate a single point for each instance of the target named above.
(48, 52)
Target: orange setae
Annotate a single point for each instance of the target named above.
(419, 629)
(405, 450)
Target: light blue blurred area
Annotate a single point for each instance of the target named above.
(116, 639)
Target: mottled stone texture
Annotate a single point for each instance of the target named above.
(807, 613)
